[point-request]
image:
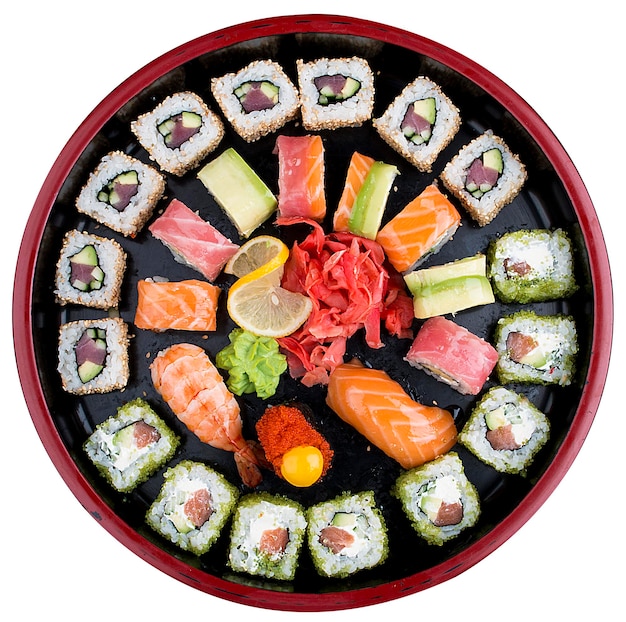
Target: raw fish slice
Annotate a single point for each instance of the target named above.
(379, 408)
(357, 172)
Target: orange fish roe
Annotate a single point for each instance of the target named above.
(282, 428)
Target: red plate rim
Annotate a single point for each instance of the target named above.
(314, 23)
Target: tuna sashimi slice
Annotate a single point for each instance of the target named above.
(192, 240)
(453, 355)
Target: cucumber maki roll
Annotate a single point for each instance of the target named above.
(193, 506)
(484, 176)
(90, 271)
(532, 266)
(438, 499)
(93, 355)
(505, 430)
(266, 536)
(335, 92)
(419, 123)
(258, 99)
(346, 534)
(121, 193)
(179, 132)
(536, 349)
(130, 446)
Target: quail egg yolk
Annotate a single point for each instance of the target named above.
(302, 466)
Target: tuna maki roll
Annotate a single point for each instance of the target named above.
(484, 176)
(90, 271)
(536, 349)
(505, 430)
(121, 193)
(93, 355)
(438, 499)
(193, 506)
(346, 534)
(419, 123)
(179, 132)
(335, 92)
(129, 447)
(258, 99)
(266, 536)
(532, 266)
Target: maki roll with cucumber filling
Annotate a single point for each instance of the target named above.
(89, 271)
(505, 430)
(179, 132)
(346, 534)
(93, 356)
(121, 193)
(335, 92)
(266, 536)
(257, 100)
(130, 446)
(419, 123)
(193, 506)
(438, 499)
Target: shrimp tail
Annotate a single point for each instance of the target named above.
(249, 460)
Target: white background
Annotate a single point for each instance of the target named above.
(60, 59)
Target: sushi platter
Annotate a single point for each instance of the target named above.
(435, 385)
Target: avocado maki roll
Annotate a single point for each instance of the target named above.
(505, 430)
(346, 534)
(419, 123)
(130, 446)
(121, 193)
(258, 99)
(484, 176)
(193, 506)
(266, 536)
(532, 266)
(335, 92)
(438, 499)
(179, 132)
(89, 271)
(536, 349)
(93, 355)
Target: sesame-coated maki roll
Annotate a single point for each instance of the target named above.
(258, 99)
(179, 132)
(438, 499)
(335, 92)
(121, 193)
(484, 176)
(505, 430)
(93, 355)
(193, 506)
(346, 534)
(419, 123)
(536, 349)
(130, 446)
(532, 266)
(266, 536)
(89, 271)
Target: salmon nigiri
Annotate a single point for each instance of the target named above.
(380, 409)
(358, 169)
(301, 177)
(419, 230)
(192, 386)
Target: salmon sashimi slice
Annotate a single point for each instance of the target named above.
(453, 355)
(419, 230)
(176, 305)
(193, 388)
(192, 240)
(380, 409)
(301, 177)
(358, 169)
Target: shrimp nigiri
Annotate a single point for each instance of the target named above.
(188, 381)
(379, 408)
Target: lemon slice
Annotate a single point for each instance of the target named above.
(262, 251)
